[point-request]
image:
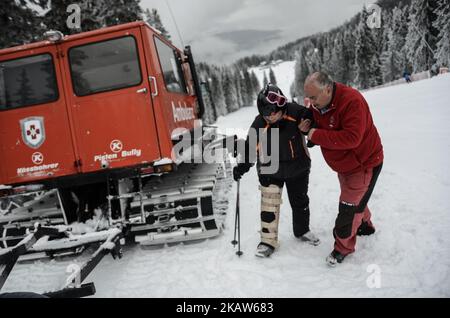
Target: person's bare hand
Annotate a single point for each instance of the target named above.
(311, 133)
(305, 125)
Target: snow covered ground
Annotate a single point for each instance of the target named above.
(410, 205)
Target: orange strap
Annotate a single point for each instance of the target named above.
(292, 150)
(258, 146)
(289, 118)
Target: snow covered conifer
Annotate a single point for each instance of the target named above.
(218, 96)
(348, 43)
(265, 80)
(153, 18)
(249, 90)
(393, 59)
(419, 38)
(367, 64)
(336, 63)
(272, 77)
(255, 83)
(18, 23)
(442, 23)
(93, 15)
(229, 89)
(123, 11)
(237, 82)
(301, 71)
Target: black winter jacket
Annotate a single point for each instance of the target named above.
(293, 154)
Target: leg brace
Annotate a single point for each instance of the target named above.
(270, 214)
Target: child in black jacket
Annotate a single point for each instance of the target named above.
(277, 130)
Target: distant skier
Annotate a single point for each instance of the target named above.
(407, 76)
(352, 147)
(294, 167)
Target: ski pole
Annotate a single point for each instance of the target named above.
(238, 216)
(234, 241)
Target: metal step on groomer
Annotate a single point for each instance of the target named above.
(187, 205)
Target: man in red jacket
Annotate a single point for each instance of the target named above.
(351, 146)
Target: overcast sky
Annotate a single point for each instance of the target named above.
(223, 31)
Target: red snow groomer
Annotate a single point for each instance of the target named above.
(88, 124)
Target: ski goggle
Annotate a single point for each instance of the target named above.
(276, 99)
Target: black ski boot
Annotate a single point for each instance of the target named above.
(334, 258)
(365, 229)
(264, 250)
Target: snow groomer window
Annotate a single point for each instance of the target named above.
(173, 75)
(105, 66)
(27, 81)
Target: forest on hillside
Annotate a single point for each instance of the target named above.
(411, 36)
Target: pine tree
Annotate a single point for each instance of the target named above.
(327, 52)
(419, 39)
(237, 81)
(265, 80)
(314, 58)
(250, 83)
(335, 63)
(217, 92)
(56, 17)
(442, 23)
(272, 77)
(255, 83)
(392, 63)
(393, 59)
(301, 71)
(245, 99)
(249, 90)
(229, 90)
(399, 32)
(204, 72)
(95, 14)
(153, 18)
(367, 64)
(123, 11)
(349, 57)
(380, 34)
(18, 23)
(208, 117)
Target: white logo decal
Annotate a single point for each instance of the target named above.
(33, 131)
(182, 113)
(116, 146)
(37, 170)
(37, 158)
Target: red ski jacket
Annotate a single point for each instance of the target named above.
(346, 133)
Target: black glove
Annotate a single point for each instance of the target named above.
(310, 144)
(240, 170)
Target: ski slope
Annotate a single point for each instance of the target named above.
(284, 74)
(410, 205)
